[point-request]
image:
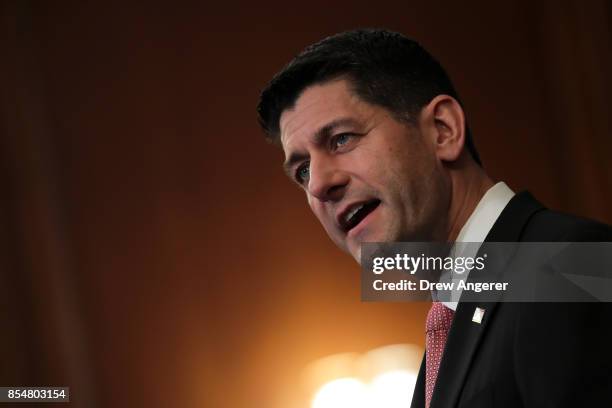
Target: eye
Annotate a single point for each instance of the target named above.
(342, 139)
(302, 174)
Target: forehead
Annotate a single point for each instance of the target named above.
(317, 106)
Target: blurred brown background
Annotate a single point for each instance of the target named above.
(152, 252)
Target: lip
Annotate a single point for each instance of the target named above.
(342, 214)
(357, 229)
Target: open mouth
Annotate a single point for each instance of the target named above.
(357, 213)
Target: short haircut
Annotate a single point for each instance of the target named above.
(384, 68)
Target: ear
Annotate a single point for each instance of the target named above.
(447, 121)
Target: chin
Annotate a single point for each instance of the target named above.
(352, 249)
(356, 255)
(380, 237)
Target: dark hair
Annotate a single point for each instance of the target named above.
(385, 68)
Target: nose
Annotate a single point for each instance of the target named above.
(327, 182)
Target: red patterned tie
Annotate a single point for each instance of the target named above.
(438, 323)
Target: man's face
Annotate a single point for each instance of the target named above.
(367, 176)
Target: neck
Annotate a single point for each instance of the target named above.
(468, 187)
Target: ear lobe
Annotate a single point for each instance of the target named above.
(449, 121)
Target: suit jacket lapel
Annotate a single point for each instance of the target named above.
(464, 335)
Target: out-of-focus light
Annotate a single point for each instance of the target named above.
(343, 392)
(380, 378)
(392, 389)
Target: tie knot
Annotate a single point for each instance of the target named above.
(439, 317)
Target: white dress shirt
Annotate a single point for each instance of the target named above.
(477, 227)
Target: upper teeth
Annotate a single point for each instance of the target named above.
(353, 212)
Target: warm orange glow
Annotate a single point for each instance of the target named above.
(392, 389)
(343, 392)
(381, 378)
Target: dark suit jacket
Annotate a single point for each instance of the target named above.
(528, 354)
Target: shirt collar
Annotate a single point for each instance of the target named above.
(482, 219)
(486, 213)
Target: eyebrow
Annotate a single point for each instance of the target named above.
(319, 137)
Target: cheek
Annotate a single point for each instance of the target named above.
(390, 173)
(368, 166)
(318, 210)
(315, 206)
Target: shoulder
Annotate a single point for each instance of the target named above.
(554, 226)
(524, 219)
